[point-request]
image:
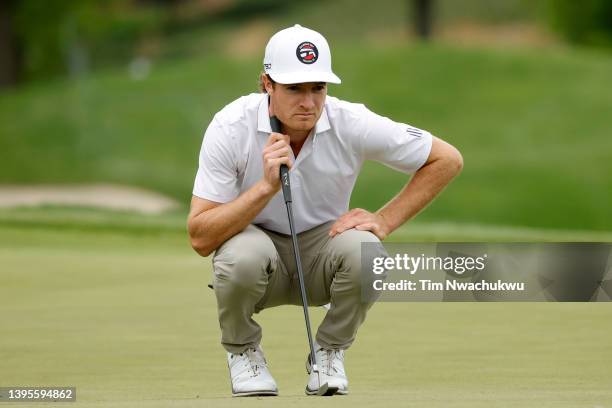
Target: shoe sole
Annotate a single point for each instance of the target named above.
(255, 394)
(326, 391)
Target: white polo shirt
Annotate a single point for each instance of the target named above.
(326, 168)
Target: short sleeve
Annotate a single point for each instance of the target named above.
(397, 145)
(217, 176)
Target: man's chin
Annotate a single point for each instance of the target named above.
(305, 124)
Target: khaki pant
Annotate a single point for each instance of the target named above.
(255, 270)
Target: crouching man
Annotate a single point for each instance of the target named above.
(238, 213)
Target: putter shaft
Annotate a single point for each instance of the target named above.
(286, 186)
(300, 274)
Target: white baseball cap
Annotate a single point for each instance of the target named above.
(298, 54)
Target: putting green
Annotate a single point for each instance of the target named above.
(126, 317)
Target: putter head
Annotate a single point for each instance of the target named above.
(324, 389)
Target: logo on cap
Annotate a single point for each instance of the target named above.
(307, 53)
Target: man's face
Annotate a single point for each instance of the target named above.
(298, 106)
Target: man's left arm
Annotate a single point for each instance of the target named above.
(444, 163)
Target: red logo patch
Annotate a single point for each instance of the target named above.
(307, 52)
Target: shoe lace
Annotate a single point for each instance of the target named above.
(328, 358)
(254, 360)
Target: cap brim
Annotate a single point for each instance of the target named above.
(307, 76)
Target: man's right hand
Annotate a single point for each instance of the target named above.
(276, 152)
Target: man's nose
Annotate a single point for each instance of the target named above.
(307, 101)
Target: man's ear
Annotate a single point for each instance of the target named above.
(267, 84)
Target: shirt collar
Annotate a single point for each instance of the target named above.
(263, 118)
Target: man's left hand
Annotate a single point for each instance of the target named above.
(361, 220)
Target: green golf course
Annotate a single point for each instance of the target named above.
(117, 305)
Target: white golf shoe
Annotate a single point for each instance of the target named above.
(330, 364)
(249, 374)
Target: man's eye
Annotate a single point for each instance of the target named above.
(292, 88)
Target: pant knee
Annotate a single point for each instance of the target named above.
(243, 261)
(347, 251)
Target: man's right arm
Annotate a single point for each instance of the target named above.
(210, 223)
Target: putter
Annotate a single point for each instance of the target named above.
(324, 389)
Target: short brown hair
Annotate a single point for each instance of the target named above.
(262, 88)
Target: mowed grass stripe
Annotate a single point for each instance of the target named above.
(172, 228)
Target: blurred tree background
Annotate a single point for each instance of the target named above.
(41, 39)
(584, 22)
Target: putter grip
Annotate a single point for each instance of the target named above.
(284, 170)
